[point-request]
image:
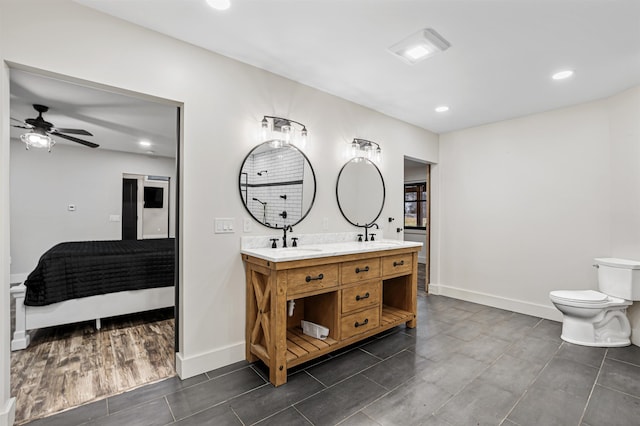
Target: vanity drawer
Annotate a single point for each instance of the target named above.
(360, 322)
(400, 264)
(361, 296)
(300, 280)
(360, 270)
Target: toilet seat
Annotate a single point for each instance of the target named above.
(586, 298)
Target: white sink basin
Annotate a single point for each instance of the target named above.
(293, 251)
(381, 244)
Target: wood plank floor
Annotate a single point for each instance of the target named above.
(70, 365)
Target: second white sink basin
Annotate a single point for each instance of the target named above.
(295, 250)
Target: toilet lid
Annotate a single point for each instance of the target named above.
(583, 296)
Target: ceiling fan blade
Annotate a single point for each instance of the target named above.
(71, 138)
(72, 131)
(22, 127)
(19, 121)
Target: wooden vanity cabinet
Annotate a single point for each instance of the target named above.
(355, 296)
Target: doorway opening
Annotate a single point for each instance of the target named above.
(417, 213)
(75, 194)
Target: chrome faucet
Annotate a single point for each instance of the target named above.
(284, 238)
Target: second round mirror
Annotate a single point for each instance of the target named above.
(360, 192)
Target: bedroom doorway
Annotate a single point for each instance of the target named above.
(129, 209)
(80, 190)
(146, 207)
(417, 213)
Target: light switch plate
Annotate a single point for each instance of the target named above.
(224, 225)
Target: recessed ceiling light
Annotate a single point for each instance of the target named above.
(442, 108)
(561, 75)
(219, 4)
(420, 45)
(145, 143)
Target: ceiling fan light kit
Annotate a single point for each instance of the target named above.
(40, 132)
(37, 139)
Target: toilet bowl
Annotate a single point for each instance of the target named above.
(599, 318)
(591, 318)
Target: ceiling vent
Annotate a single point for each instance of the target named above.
(420, 45)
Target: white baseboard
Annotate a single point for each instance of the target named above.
(201, 363)
(515, 305)
(8, 414)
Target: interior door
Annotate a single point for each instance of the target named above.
(129, 209)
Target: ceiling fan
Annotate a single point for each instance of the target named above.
(41, 131)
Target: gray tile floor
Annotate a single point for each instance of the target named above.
(465, 364)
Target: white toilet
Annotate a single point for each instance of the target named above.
(592, 318)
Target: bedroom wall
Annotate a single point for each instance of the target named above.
(526, 204)
(224, 101)
(43, 185)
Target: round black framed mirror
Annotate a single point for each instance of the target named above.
(360, 192)
(277, 184)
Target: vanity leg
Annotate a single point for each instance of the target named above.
(251, 314)
(278, 367)
(413, 293)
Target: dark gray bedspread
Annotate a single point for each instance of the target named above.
(88, 268)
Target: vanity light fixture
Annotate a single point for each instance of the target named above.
(281, 131)
(362, 148)
(37, 138)
(420, 45)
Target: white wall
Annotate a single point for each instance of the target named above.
(526, 204)
(7, 403)
(624, 118)
(43, 185)
(223, 103)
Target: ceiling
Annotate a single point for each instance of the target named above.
(117, 121)
(502, 52)
(502, 55)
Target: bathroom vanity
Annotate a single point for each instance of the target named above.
(356, 290)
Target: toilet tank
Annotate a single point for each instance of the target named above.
(619, 277)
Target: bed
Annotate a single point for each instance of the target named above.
(90, 280)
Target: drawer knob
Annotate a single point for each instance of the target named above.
(398, 263)
(359, 324)
(310, 278)
(359, 298)
(365, 269)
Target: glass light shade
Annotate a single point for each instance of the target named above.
(264, 130)
(378, 157)
(37, 140)
(304, 136)
(286, 133)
